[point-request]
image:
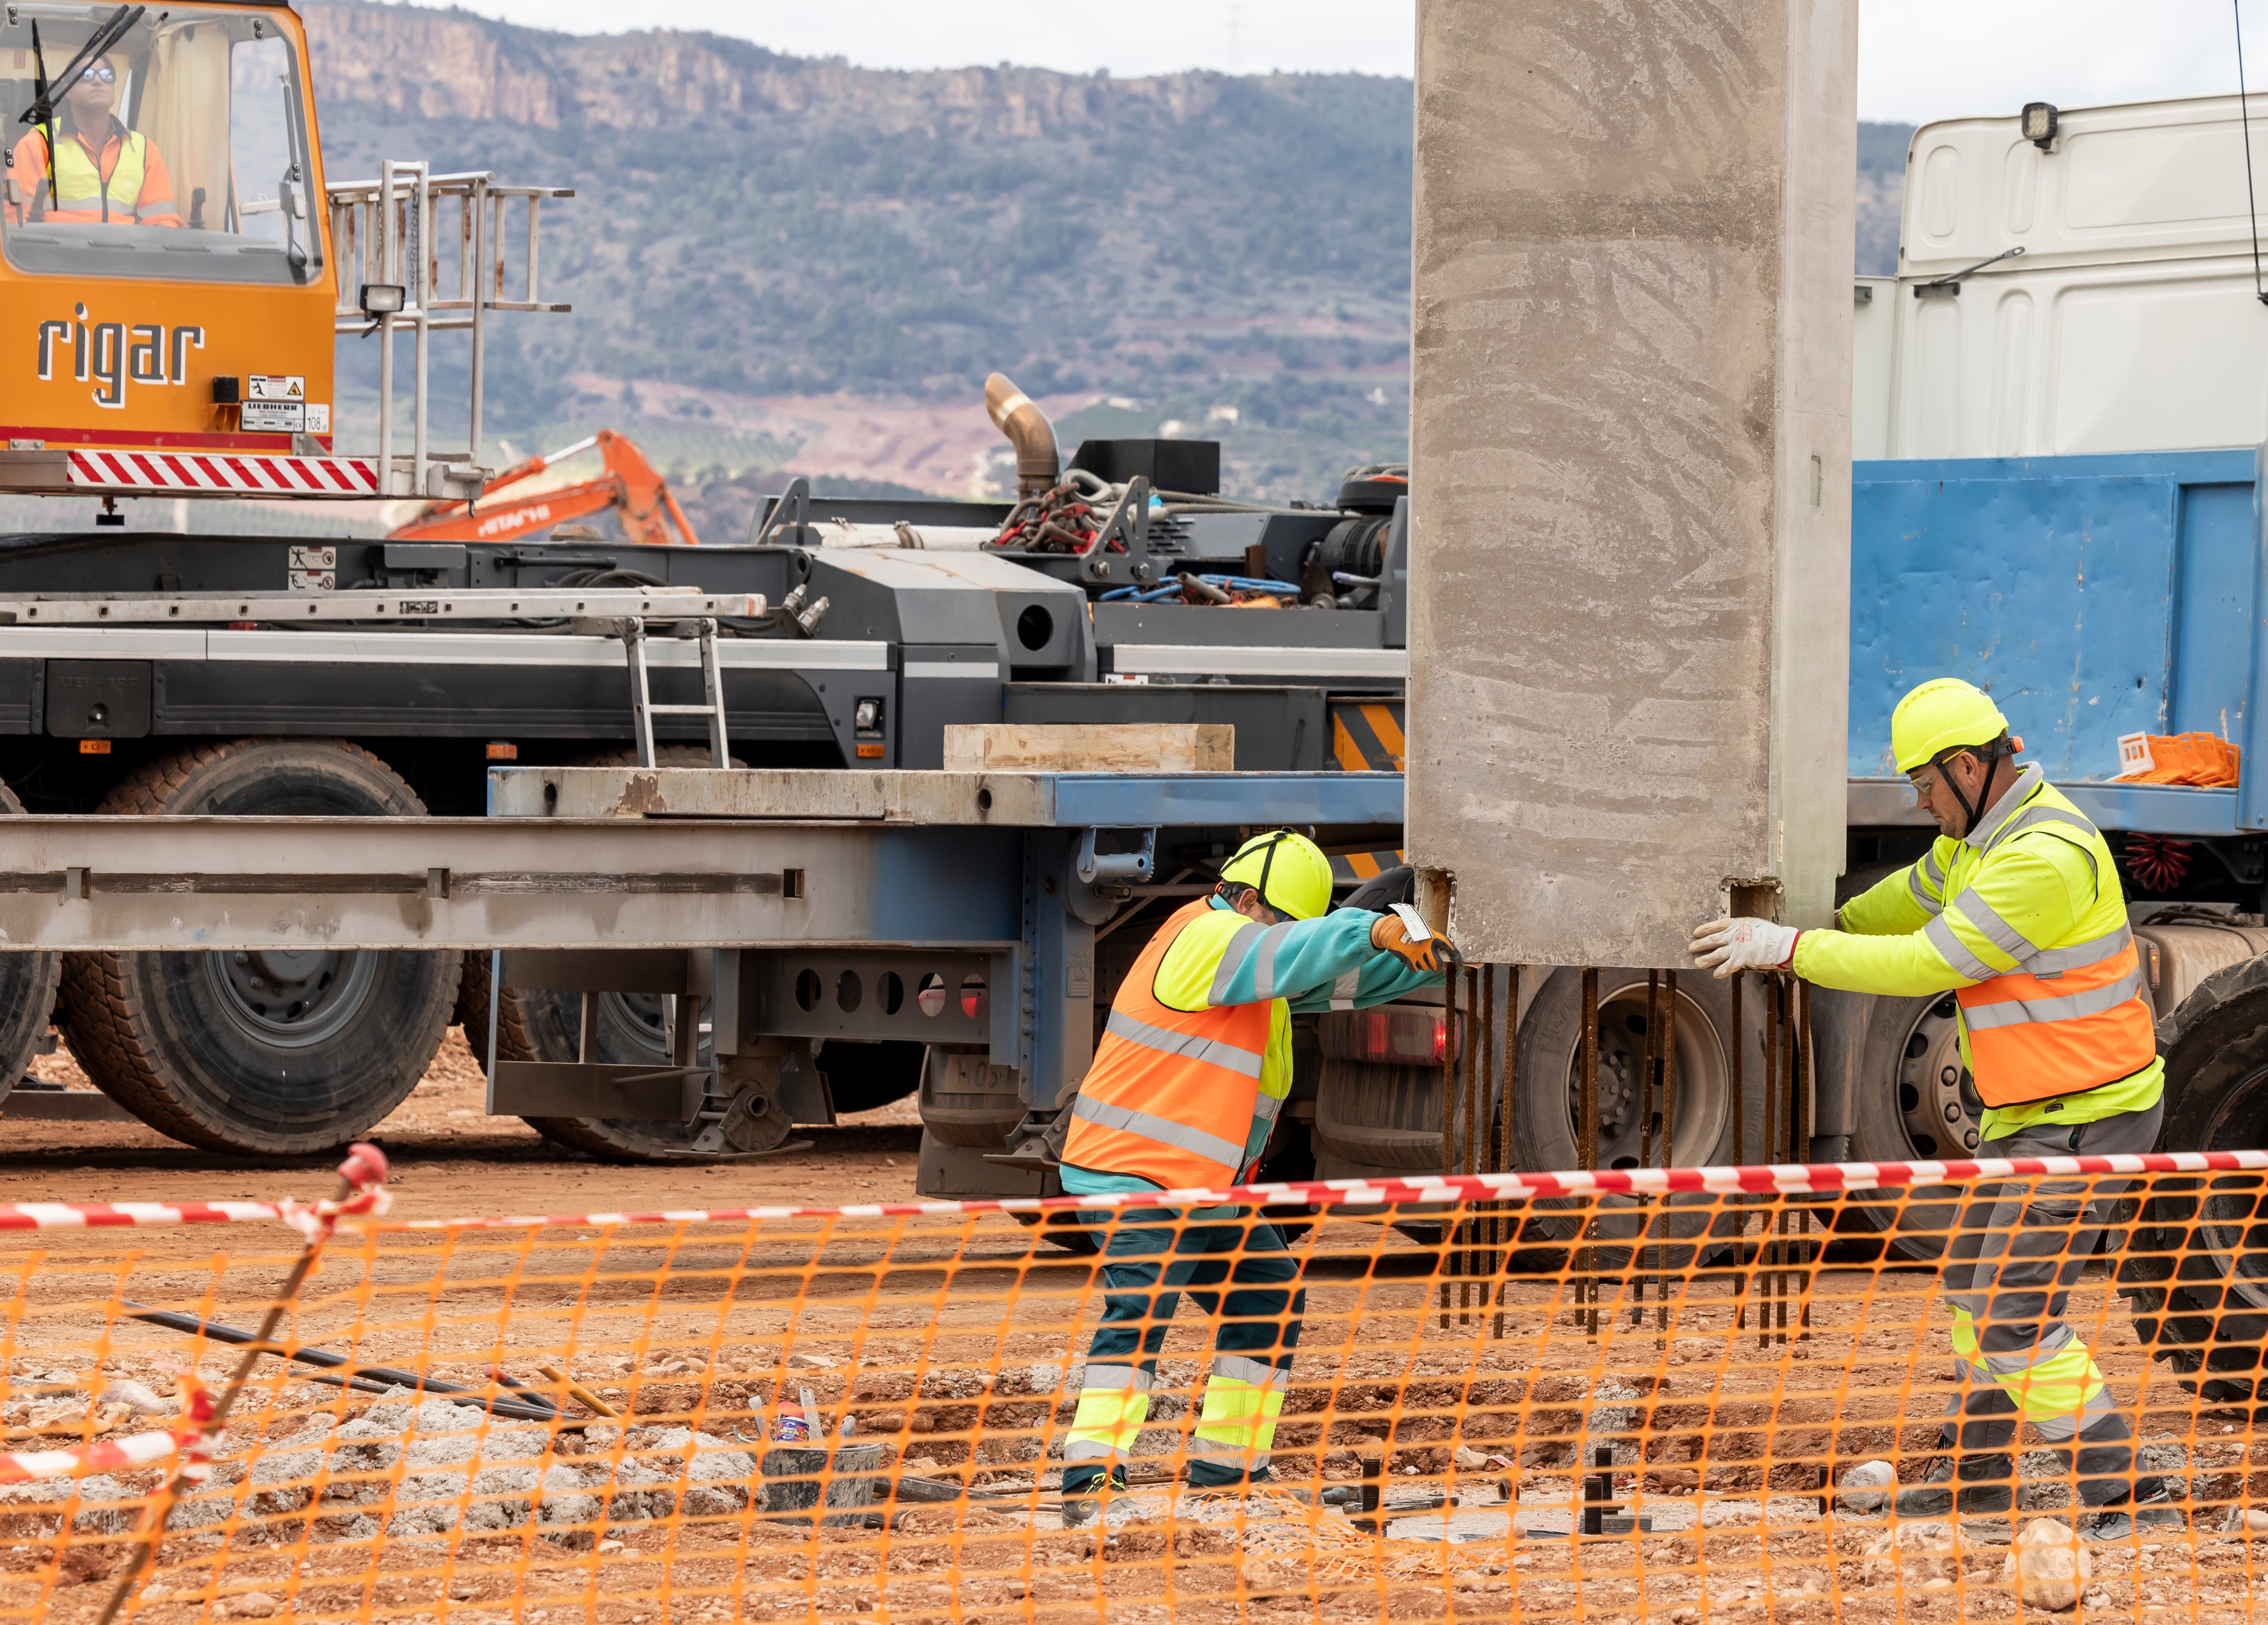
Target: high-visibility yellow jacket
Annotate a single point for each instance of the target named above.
(125, 183)
(2025, 920)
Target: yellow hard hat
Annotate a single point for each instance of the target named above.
(1289, 872)
(1942, 714)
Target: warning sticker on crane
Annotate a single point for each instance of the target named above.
(313, 569)
(275, 403)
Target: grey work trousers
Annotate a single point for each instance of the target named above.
(2011, 1265)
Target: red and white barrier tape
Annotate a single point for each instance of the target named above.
(1781, 1178)
(190, 1439)
(364, 1172)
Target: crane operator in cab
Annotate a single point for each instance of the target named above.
(85, 167)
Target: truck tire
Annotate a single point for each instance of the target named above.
(1913, 1102)
(1544, 1080)
(1546, 1077)
(542, 1024)
(545, 1024)
(2195, 1271)
(268, 1054)
(28, 993)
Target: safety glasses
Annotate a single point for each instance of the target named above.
(101, 73)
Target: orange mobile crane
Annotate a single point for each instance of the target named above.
(178, 328)
(631, 486)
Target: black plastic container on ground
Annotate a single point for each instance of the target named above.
(794, 1476)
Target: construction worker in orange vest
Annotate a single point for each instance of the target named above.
(1194, 1065)
(96, 170)
(2017, 911)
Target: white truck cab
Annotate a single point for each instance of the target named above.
(2088, 286)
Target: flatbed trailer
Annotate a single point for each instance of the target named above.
(773, 911)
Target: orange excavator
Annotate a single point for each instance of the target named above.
(629, 486)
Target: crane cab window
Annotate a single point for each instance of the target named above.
(177, 149)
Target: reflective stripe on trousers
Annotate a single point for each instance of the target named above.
(2056, 1385)
(1243, 1398)
(1114, 1402)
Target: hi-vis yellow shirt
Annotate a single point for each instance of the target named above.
(2032, 886)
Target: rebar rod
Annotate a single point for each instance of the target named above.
(1587, 1288)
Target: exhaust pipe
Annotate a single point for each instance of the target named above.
(1015, 415)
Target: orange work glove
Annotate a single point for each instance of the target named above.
(1403, 934)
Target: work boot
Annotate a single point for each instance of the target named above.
(1083, 1497)
(2153, 1506)
(1983, 1487)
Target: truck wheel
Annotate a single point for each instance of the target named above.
(1547, 1085)
(545, 1024)
(1548, 1078)
(272, 1052)
(28, 993)
(1914, 1102)
(2195, 1270)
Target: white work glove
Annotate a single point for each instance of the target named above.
(1726, 946)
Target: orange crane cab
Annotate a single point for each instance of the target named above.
(174, 271)
(630, 488)
(202, 325)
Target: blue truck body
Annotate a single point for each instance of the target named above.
(2092, 596)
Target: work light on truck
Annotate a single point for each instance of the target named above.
(2039, 123)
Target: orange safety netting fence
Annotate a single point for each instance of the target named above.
(868, 1412)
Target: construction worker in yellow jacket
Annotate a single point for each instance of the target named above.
(1194, 1065)
(2016, 909)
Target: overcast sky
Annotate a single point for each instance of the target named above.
(1918, 59)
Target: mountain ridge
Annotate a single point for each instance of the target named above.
(766, 251)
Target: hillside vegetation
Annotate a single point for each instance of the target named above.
(761, 243)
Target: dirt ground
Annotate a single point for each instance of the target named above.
(450, 1160)
(953, 1344)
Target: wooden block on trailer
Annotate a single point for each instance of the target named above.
(1104, 747)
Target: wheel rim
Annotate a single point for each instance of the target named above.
(640, 1017)
(1701, 1092)
(2233, 1211)
(640, 1013)
(292, 1000)
(1940, 1110)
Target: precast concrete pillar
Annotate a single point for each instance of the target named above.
(1630, 461)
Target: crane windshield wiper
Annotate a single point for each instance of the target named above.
(42, 109)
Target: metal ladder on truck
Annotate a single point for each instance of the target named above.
(708, 1121)
(631, 630)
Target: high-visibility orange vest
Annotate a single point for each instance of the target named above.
(1172, 1092)
(2071, 1016)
